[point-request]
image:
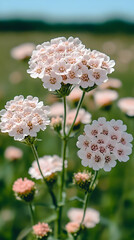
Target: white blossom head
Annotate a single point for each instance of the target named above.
(62, 62)
(24, 117)
(48, 165)
(103, 143)
(92, 217)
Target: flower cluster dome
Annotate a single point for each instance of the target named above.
(48, 165)
(67, 61)
(104, 142)
(24, 117)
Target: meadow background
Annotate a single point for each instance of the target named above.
(114, 195)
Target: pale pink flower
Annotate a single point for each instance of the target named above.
(41, 230)
(72, 227)
(52, 82)
(83, 142)
(22, 51)
(48, 165)
(110, 161)
(86, 81)
(105, 97)
(24, 117)
(127, 105)
(103, 143)
(98, 75)
(13, 153)
(92, 217)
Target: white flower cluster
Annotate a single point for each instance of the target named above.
(24, 117)
(48, 165)
(104, 142)
(67, 61)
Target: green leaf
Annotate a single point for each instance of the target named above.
(76, 198)
(24, 233)
(51, 218)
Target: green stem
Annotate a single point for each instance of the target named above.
(32, 213)
(87, 196)
(62, 187)
(65, 110)
(78, 108)
(49, 189)
(84, 207)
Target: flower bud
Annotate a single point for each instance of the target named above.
(24, 189)
(56, 123)
(51, 179)
(83, 179)
(72, 227)
(41, 231)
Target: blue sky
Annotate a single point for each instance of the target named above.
(68, 10)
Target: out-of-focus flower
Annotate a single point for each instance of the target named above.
(41, 230)
(66, 61)
(83, 117)
(92, 217)
(105, 97)
(75, 95)
(56, 123)
(112, 83)
(72, 227)
(48, 165)
(15, 77)
(109, 47)
(13, 153)
(125, 56)
(24, 117)
(127, 105)
(57, 109)
(83, 179)
(22, 51)
(24, 189)
(103, 143)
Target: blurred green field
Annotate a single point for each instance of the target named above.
(114, 196)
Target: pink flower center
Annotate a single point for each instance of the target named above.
(84, 78)
(94, 147)
(96, 75)
(52, 80)
(89, 155)
(107, 159)
(97, 158)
